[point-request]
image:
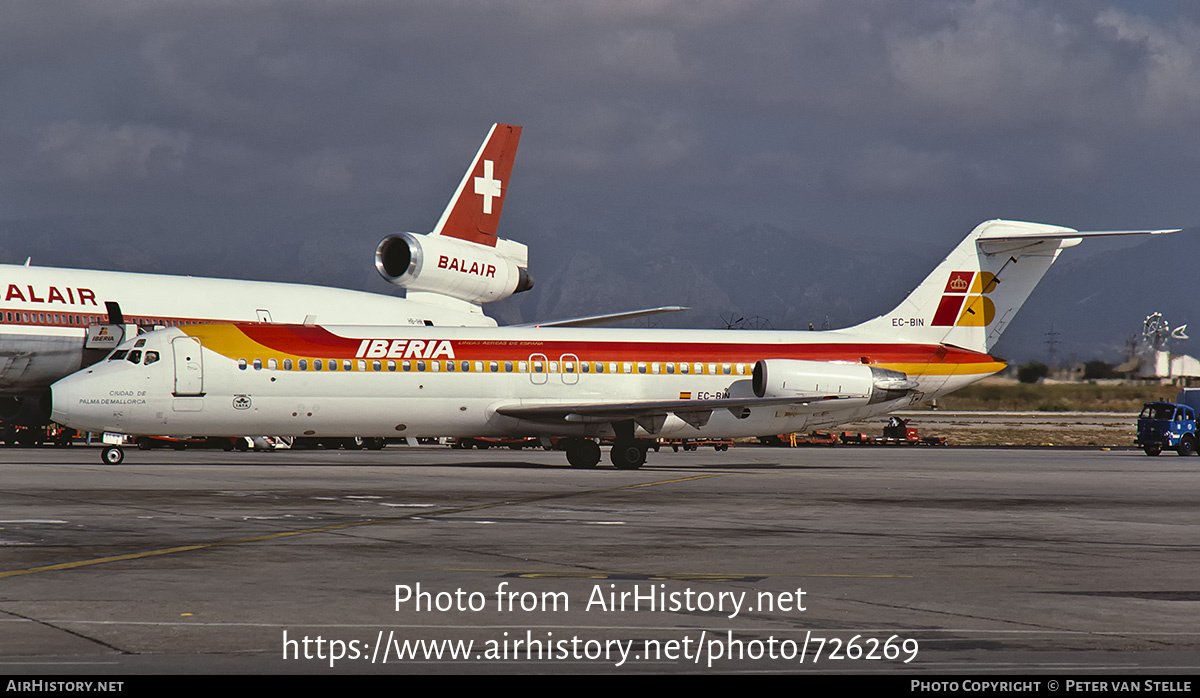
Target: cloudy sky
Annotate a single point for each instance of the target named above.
(283, 139)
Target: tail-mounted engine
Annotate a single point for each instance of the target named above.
(788, 377)
(465, 270)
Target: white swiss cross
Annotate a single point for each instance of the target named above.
(487, 186)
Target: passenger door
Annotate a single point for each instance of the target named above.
(189, 366)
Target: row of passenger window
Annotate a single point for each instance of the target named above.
(422, 365)
(50, 318)
(83, 320)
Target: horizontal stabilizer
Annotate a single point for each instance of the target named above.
(1001, 233)
(998, 236)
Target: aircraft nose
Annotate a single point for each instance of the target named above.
(65, 407)
(59, 396)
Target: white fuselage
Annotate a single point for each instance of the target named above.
(396, 381)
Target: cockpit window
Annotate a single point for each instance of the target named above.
(118, 355)
(140, 343)
(151, 357)
(135, 356)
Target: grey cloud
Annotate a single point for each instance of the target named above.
(326, 170)
(97, 153)
(892, 168)
(1170, 84)
(864, 122)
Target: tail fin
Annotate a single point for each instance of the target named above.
(972, 296)
(474, 212)
(461, 263)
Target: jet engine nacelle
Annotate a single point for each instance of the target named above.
(26, 410)
(788, 377)
(464, 270)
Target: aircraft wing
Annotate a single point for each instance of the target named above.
(592, 320)
(651, 414)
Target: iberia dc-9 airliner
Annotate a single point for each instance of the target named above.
(578, 384)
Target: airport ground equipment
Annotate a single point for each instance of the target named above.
(1164, 424)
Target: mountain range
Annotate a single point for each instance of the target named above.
(1087, 307)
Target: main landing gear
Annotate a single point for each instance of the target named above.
(627, 452)
(625, 455)
(583, 453)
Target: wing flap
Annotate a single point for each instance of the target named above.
(651, 415)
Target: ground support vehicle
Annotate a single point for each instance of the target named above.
(485, 442)
(1162, 425)
(145, 443)
(694, 444)
(813, 438)
(51, 435)
(896, 433)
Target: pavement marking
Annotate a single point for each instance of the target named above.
(333, 527)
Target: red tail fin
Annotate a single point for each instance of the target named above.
(474, 212)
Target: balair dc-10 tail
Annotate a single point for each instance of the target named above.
(578, 384)
(462, 263)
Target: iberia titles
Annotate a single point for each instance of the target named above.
(404, 349)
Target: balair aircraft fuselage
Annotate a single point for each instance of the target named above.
(579, 384)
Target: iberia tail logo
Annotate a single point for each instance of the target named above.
(964, 302)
